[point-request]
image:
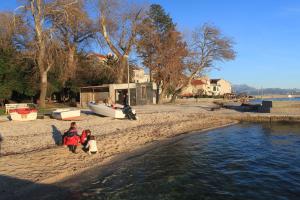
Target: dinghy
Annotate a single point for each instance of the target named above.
(115, 111)
(23, 114)
(66, 114)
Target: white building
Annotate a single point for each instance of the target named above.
(219, 87)
(139, 76)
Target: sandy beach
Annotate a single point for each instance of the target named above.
(30, 150)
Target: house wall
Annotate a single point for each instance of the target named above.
(225, 87)
(139, 76)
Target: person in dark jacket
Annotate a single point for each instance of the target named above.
(125, 99)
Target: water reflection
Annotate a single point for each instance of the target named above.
(246, 161)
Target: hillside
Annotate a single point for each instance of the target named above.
(243, 88)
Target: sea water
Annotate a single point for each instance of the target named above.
(244, 161)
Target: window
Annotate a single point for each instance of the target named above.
(143, 92)
(215, 88)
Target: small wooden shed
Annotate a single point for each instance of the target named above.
(140, 93)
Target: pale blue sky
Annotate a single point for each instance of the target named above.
(266, 32)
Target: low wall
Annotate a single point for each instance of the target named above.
(281, 107)
(267, 118)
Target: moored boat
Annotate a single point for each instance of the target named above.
(66, 114)
(23, 114)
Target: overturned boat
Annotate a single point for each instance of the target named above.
(66, 114)
(116, 111)
(23, 114)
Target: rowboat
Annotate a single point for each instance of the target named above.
(66, 114)
(104, 110)
(23, 114)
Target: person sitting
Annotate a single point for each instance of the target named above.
(71, 138)
(85, 137)
(73, 126)
(92, 145)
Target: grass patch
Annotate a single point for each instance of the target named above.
(2, 111)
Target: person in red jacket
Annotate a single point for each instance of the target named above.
(85, 136)
(71, 138)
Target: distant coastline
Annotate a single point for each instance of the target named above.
(274, 96)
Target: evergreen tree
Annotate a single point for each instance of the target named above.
(160, 19)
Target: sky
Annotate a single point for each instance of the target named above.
(266, 35)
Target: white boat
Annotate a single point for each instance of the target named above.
(23, 114)
(109, 111)
(290, 96)
(66, 114)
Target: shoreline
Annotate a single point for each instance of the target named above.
(76, 179)
(142, 150)
(114, 137)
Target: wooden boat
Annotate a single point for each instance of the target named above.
(66, 114)
(23, 114)
(109, 111)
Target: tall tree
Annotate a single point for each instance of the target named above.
(38, 9)
(162, 50)
(208, 46)
(119, 21)
(73, 28)
(13, 75)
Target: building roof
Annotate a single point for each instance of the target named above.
(197, 82)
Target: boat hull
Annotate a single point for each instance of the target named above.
(66, 114)
(102, 109)
(15, 116)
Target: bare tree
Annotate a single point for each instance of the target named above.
(208, 46)
(39, 10)
(73, 27)
(164, 56)
(119, 21)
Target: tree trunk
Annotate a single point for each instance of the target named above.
(175, 94)
(173, 99)
(162, 95)
(71, 62)
(43, 89)
(157, 95)
(122, 72)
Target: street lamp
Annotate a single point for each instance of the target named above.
(128, 90)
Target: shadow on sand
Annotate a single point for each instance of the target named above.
(56, 135)
(16, 189)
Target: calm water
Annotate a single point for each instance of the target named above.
(244, 161)
(275, 99)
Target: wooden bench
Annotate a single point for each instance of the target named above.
(11, 106)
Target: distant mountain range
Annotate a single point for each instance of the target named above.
(243, 88)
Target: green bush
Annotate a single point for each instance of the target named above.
(2, 111)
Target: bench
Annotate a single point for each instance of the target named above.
(11, 106)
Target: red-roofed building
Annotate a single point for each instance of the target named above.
(206, 86)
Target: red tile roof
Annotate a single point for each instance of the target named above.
(198, 82)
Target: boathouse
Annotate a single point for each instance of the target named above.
(140, 93)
